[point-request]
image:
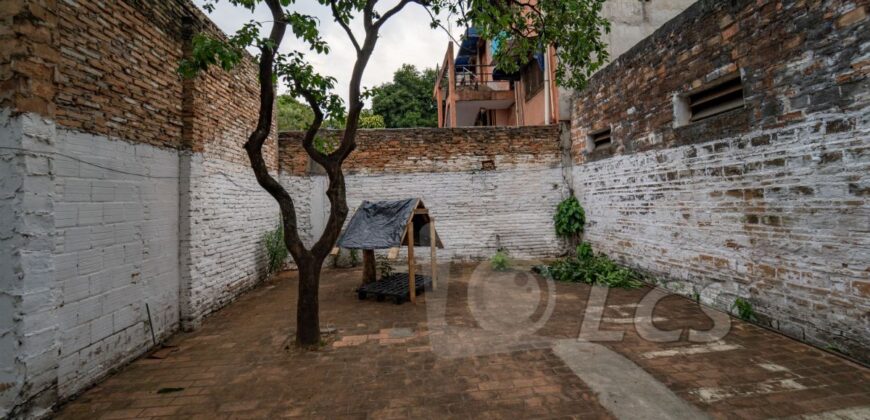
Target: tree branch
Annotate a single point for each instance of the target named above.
(444, 28)
(396, 9)
(344, 25)
(368, 13)
(254, 145)
(311, 132)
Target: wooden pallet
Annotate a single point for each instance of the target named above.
(394, 286)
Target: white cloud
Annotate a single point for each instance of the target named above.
(405, 38)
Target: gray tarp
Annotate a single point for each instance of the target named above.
(378, 225)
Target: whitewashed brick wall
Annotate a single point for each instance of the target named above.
(90, 234)
(116, 234)
(308, 198)
(227, 215)
(780, 217)
(475, 212)
(28, 296)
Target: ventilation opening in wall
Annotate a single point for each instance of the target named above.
(717, 99)
(599, 140)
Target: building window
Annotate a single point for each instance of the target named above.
(723, 96)
(533, 78)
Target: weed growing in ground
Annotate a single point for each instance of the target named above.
(384, 266)
(500, 261)
(834, 348)
(589, 268)
(276, 250)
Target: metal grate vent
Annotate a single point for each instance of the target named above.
(601, 139)
(717, 99)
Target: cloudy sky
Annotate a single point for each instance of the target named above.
(405, 38)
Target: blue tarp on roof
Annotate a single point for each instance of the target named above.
(467, 48)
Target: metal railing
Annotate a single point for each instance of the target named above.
(479, 77)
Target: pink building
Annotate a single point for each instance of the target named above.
(472, 92)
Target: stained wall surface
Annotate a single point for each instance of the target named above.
(768, 201)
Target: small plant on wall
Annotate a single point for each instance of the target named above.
(570, 219)
(744, 310)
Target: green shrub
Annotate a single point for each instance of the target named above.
(584, 251)
(570, 218)
(744, 310)
(500, 261)
(589, 268)
(275, 248)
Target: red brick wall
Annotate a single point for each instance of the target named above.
(117, 77)
(634, 94)
(27, 56)
(434, 149)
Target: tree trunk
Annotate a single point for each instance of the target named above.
(370, 272)
(307, 310)
(311, 261)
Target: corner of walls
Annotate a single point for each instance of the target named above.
(29, 294)
(565, 145)
(188, 321)
(223, 217)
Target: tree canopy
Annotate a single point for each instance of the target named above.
(292, 114)
(407, 100)
(296, 116)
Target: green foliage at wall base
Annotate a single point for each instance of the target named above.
(744, 310)
(589, 268)
(500, 261)
(276, 250)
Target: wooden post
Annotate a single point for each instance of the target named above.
(451, 85)
(432, 242)
(438, 101)
(370, 272)
(412, 289)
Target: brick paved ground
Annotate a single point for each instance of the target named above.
(403, 361)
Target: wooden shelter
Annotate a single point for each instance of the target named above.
(390, 225)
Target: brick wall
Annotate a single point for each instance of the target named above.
(28, 56)
(116, 250)
(28, 327)
(224, 216)
(434, 150)
(117, 77)
(116, 72)
(28, 296)
(486, 187)
(771, 200)
(127, 186)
